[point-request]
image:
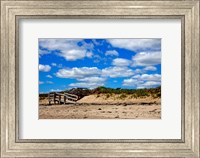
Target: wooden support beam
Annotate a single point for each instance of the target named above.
(54, 98)
(49, 99)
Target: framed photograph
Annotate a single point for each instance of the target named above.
(100, 78)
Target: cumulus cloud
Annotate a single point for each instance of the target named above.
(146, 58)
(41, 82)
(55, 90)
(56, 65)
(121, 62)
(67, 48)
(78, 72)
(117, 72)
(151, 77)
(111, 53)
(151, 84)
(86, 85)
(143, 81)
(88, 46)
(43, 51)
(73, 54)
(136, 76)
(49, 76)
(89, 54)
(130, 82)
(89, 82)
(138, 71)
(92, 79)
(136, 44)
(150, 68)
(97, 42)
(44, 68)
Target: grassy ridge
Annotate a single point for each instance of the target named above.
(154, 92)
(136, 93)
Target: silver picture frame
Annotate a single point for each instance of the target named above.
(12, 11)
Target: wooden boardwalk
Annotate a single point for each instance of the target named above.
(62, 98)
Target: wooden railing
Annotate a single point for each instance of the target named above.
(62, 98)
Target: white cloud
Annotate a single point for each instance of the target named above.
(143, 81)
(55, 90)
(121, 62)
(150, 68)
(138, 71)
(44, 68)
(136, 44)
(89, 54)
(97, 58)
(130, 82)
(151, 83)
(141, 87)
(49, 76)
(67, 48)
(78, 72)
(92, 79)
(117, 72)
(151, 77)
(89, 82)
(53, 64)
(136, 76)
(146, 59)
(58, 44)
(88, 46)
(48, 82)
(73, 54)
(97, 43)
(56, 65)
(86, 85)
(42, 52)
(111, 53)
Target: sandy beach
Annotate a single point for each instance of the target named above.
(101, 107)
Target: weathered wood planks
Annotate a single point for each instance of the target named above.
(62, 98)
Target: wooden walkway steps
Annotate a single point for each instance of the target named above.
(62, 98)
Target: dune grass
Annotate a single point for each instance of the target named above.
(123, 93)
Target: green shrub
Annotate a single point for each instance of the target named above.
(134, 96)
(122, 96)
(108, 95)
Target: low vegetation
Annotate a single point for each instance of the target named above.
(108, 92)
(135, 93)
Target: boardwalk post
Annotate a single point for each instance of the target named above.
(54, 98)
(49, 99)
(59, 99)
(64, 99)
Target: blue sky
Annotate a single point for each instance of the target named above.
(90, 63)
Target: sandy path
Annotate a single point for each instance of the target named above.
(71, 111)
